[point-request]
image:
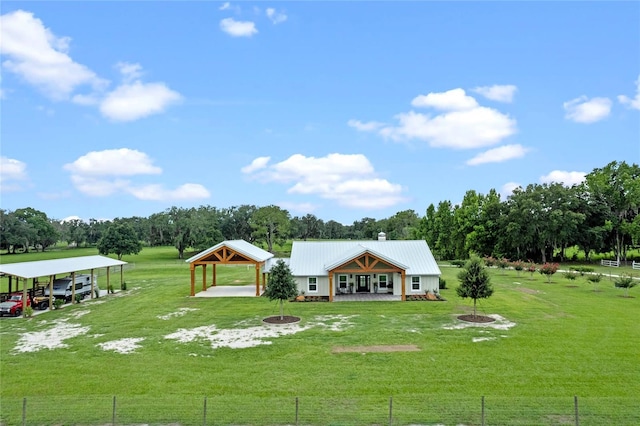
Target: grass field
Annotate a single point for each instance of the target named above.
(567, 340)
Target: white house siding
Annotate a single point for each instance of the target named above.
(427, 282)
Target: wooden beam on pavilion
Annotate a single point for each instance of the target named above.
(213, 282)
(257, 279)
(193, 279)
(204, 277)
(73, 287)
(51, 278)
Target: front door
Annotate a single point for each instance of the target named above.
(362, 284)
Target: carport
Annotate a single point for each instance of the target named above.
(50, 268)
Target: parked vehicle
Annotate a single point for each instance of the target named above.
(14, 305)
(63, 287)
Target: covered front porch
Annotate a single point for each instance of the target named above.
(367, 297)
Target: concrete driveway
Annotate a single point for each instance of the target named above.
(230, 291)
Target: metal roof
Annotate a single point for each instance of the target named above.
(311, 258)
(43, 268)
(270, 263)
(241, 246)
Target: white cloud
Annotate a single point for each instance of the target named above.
(113, 162)
(564, 177)
(132, 101)
(100, 174)
(633, 103)
(225, 6)
(275, 17)
(451, 100)
(583, 110)
(41, 58)
(348, 179)
(364, 127)
(12, 171)
(257, 164)
(71, 219)
(507, 189)
(499, 154)
(302, 208)
(473, 128)
(499, 93)
(188, 191)
(462, 124)
(238, 28)
(130, 72)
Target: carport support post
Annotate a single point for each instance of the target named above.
(204, 277)
(213, 282)
(121, 275)
(51, 278)
(24, 298)
(73, 287)
(257, 279)
(92, 284)
(108, 279)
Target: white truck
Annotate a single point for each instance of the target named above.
(63, 287)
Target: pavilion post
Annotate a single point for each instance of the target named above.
(73, 287)
(257, 279)
(204, 277)
(213, 282)
(92, 284)
(193, 279)
(51, 279)
(24, 297)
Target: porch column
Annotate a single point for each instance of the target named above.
(192, 267)
(330, 287)
(404, 291)
(204, 277)
(264, 281)
(257, 279)
(213, 282)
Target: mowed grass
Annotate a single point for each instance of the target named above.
(568, 340)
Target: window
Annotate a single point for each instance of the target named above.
(415, 283)
(342, 281)
(382, 280)
(312, 284)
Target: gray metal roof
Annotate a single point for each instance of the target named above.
(43, 268)
(270, 263)
(241, 246)
(314, 258)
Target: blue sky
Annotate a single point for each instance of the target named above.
(341, 109)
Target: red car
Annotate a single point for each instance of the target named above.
(13, 305)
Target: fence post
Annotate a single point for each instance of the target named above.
(113, 413)
(391, 411)
(24, 411)
(297, 411)
(575, 406)
(482, 413)
(204, 413)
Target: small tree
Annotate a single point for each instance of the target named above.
(281, 285)
(548, 269)
(625, 281)
(595, 279)
(531, 269)
(474, 282)
(518, 265)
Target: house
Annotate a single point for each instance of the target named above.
(331, 268)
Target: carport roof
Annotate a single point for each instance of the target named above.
(42, 268)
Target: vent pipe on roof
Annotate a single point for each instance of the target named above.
(382, 236)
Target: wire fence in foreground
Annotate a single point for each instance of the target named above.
(183, 410)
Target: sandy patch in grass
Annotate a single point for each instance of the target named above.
(527, 290)
(237, 338)
(179, 313)
(482, 339)
(122, 346)
(79, 314)
(376, 348)
(500, 323)
(52, 338)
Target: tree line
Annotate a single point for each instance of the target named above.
(600, 215)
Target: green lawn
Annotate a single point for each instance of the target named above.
(568, 340)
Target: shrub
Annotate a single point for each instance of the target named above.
(595, 279)
(489, 261)
(28, 312)
(110, 289)
(502, 263)
(570, 275)
(123, 286)
(78, 298)
(57, 303)
(531, 268)
(625, 281)
(548, 269)
(518, 265)
(442, 284)
(458, 263)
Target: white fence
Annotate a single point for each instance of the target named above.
(635, 265)
(614, 263)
